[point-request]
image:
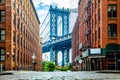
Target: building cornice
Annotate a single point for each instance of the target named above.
(79, 2)
(35, 11)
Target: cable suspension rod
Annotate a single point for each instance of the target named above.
(45, 27)
(45, 19)
(46, 36)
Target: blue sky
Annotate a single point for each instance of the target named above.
(42, 6)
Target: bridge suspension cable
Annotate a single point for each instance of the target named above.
(45, 28)
(44, 19)
(46, 38)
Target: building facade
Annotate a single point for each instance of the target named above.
(99, 40)
(75, 45)
(19, 35)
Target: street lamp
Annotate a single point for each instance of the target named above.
(7, 54)
(33, 60)
(78, 60)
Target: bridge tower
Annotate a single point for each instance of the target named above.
(55, 15)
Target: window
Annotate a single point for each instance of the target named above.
(13, 4)
(21, 2)
(2, 54)
(14, 36)
(95, 36)
(92, 23)
(2, 34)
(92, 41)
(17, 10)
(112, 10)
(99, 15)
(112, 30)
(14, 19)
(95, 4)
(95, 19)
(2, 1)
(98, 32)
(2, 16)
(98, 1)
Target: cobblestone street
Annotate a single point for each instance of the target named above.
(81, 75)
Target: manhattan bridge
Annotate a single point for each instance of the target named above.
(56, 33)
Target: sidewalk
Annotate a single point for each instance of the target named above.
(15, 72)
(109, 71)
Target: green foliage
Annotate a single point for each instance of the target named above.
(65, 68)
(70, 66)
(48, 66)
(43, 65)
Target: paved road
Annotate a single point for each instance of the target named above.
(81, 75)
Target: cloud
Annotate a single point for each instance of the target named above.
(42, 6)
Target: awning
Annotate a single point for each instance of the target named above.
(94, 52)
(112, 47)
(96, 57)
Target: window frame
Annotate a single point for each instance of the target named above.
(111, 12)
(112, 32)
(2, 35)
(2, 1)
(2, 17)
(2, 55)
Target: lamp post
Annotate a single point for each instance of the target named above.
(78, 60)
(8, 54)
(33, 60)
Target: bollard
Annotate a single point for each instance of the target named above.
(1, 68)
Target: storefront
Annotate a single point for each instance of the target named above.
(93, 59)
(113, 56)
(102, 58)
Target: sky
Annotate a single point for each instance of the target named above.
(42, 8)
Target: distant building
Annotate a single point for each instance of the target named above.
(97, 42)
(19, 35)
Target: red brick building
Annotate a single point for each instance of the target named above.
(19, 35)
(75, 44)
(99, 34)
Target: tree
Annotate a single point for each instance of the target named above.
(51, 66)
(70, 66)
(48, 66)
(43, 66)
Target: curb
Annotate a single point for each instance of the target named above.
(6, 73)
(109, 71)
